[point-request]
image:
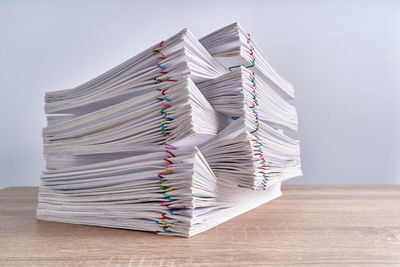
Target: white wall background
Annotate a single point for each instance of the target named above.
(343, 58)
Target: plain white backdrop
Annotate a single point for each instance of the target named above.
(343, 58)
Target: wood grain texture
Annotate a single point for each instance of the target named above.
(320, 225)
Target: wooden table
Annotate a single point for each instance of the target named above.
(322, 225)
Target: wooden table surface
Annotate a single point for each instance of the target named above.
(322, 225)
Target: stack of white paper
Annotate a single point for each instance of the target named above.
(174, 140)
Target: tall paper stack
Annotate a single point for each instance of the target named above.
(178, 139)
